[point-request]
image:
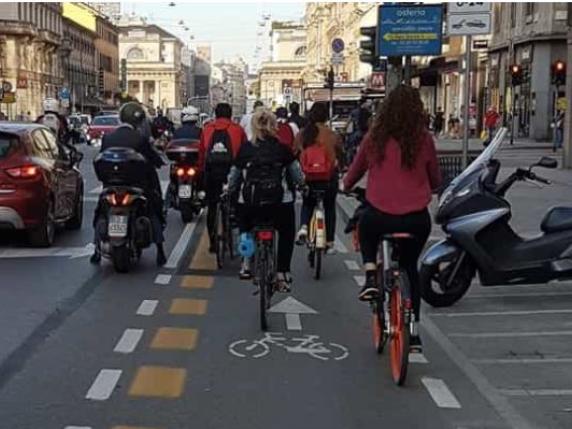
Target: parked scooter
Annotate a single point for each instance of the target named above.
(182, 193)
(475, 215)
(124, 227)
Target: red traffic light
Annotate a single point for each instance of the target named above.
(515, 69)
(559, 65)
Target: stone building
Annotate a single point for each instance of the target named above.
(532, 35)
(30, 55)
(107, 58)
(228, 85)
(280, 78)
(155, 75)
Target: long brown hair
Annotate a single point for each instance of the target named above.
(401, 117)
(318, 115)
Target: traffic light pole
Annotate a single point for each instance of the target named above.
(567, 155)
(512, 114)
(467, 97)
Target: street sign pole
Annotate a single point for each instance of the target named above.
(407, 74)
(467, 98)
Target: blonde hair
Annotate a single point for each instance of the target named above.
(264, 124)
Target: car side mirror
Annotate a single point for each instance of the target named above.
(547, 162)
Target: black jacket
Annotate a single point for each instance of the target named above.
(127, 137)
(188, 131)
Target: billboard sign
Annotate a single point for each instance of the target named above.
(410, 30)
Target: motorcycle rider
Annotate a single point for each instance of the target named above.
(130, 135)
(52, 119)
(189, 128)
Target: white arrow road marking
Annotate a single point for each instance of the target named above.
(128, 341)
(147, 307)
(440, 393)
(104, 384)
(71, 252)
(292, 308)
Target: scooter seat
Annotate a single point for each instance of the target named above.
(557, 219)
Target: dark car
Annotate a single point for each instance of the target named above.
(41, 186)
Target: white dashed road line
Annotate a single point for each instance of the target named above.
(536, 392)
(502, 313)
(163, 279)
(147, 307)
(352, 265)
(128, 341)
(181, 246)
(77, 427)
(417, 358)
(509, 334)
(440, 393)
(522, 361)
(104, 384)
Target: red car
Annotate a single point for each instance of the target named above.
(100, 126)
(40, 183)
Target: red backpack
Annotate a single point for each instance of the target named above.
(316, 164)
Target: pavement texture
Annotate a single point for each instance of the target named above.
(82, 347)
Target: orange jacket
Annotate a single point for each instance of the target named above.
(235, 132)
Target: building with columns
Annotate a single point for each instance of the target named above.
(155, 74)
(30, 55)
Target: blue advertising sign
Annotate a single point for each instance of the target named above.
(64, 93)
(410, 30)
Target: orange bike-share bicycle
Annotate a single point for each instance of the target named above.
(392, 311)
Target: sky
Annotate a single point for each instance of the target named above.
(230, 28)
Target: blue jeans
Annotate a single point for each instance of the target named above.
(558, 137)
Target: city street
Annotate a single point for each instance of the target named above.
(84, 347)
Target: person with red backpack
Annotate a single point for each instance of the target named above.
(320, 149)
(220, 143)
(287, 131)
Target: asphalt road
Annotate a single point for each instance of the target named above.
(82, 347)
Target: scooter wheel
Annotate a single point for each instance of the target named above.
(432, 283)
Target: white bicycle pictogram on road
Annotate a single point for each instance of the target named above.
(307, 344)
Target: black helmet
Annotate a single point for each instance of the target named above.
(132, 113)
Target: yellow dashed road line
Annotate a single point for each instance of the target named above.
(158, 382)
(175, 339)
(197, 282)
(181, 306)
(203, 260)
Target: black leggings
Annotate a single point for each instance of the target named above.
(373, 224)
(309, 203)
(283, 217)
(213, 192)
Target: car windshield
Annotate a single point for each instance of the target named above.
(6, 145)
(106, 121)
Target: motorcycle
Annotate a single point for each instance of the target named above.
(182, 193)
(123, 228)
(475, 215)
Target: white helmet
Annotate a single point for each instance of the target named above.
(190, 114)
(51, 105)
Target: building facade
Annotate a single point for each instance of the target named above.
(155, 74)
(107, 59)
(30, 55)
(532, 35)
(228, 86)
(280, 79)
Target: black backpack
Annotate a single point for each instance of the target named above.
(264, 175)
(219, 156)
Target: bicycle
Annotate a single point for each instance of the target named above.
(317, 234)
(265, 269)
(392, 311)
(224, 238)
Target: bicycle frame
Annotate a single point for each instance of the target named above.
(317, 233)
(265, 271)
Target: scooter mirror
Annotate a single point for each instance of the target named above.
(547, 162)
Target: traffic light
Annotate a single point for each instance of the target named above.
(369, 52)
(101, 81)
(123, 74)
(516, 74)
(559, 73)
(330, 79)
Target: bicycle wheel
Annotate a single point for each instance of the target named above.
(318, 264)
(399, 340)
(220, 237)
(262, 275)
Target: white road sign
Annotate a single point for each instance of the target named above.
(469, 25)
(469, 7)
(337, 59)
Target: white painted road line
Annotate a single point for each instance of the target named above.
(522, 361)
(163, 279)
(536, 392)
(147, 307)
(339, 246)
(517, 295)
(104, 384)
(509, 334)
(360, 280)
(417, 358)
(293, 322)
(502, 313)
(440, 393)
(352, 265)
(96, 190)
(128, 341)
(181, 246)
(77, 427)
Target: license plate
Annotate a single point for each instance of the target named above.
(117, 227)
(185, 191)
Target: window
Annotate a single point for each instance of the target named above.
(135, 54)
(529, 9)
(41, 146)
(7, 143)
(52, 143)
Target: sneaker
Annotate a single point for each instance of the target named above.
(330, 249)
(302, 236)
(415, 344)
(245, 273)
(369, 291)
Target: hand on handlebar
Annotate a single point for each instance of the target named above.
(536, 178)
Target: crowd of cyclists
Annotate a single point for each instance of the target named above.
(263, 162)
